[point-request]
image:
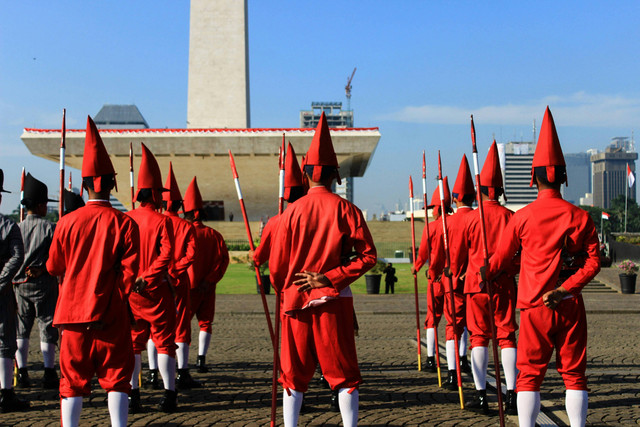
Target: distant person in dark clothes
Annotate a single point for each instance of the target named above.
(390, 278)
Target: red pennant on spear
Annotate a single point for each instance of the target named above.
(430, 288)
(63, 134)
(133, 202)
(22, 196)
(415, 275)
(445, 238)
(485, 253)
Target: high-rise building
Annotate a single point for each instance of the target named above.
(515, 160)
(336, 118)
(578, 177)
(610, 172)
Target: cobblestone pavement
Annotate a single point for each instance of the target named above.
(394, 393)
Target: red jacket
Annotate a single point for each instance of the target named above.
(322, 233)
(541, 230)
(496, 218)
(212, 257)
(95, 249)
(432, 250)
(458, 247)
(184, 244)
(156, 246)
(261, 255)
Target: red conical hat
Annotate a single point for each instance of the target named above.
(435, 198)
(192, 197)
(491, 175)
(149, 175)
(292, 174)
(321, 152)
(172, 185)
(548, 151)
(95, 160)
(464, 182)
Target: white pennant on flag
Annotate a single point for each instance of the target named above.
(630, 178)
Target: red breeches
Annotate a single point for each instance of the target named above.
(155, 316)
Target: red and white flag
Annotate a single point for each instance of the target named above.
(605, 215)
(630, 178)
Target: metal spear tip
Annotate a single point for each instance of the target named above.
(424, 166)
(410, 187)
(439, 166)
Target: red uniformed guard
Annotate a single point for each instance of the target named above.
(550, 232)
(184, 252)
(154, 307)
(210, 264)
(321, 246)
(425, 254)
(504, 291)
(95, 250)
(463, 195)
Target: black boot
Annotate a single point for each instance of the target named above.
(511, 403)
(50, 380)
(23, 378)
(169, 402)
(9, 402)
(201, 365)
(431, 364)
(152, 379)
(335, 406)
(479, 402)
(135, 406)
(184, 380)
(452, 380)
(465, 366)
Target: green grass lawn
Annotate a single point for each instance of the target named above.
(241, 280)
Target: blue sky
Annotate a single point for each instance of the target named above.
(423, 68)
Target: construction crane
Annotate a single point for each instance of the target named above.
(347, 89)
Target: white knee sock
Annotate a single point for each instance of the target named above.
(137, 367)
(70, 408)
(48, 353)
(479, 362)
(576, 402)
(118, 403)
(348, 403)
(431, 342)
(6, 373)
(203, 343)
(528, 408)
(152, 353)
(508, 356)
(451, 355)
(22, 354)
(291, 407)
(464, 339)
(182, 355)
(167, 367)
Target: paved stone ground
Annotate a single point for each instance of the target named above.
(237, 391)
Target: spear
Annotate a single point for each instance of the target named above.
(430, 288)
(236, 180)
(70, 187)
(415, 274)
(281, 178)
(22, 196)
(133, 202)
(485, 254)
(62, 149)
(452, 307)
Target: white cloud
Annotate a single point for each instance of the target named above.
(578, 109)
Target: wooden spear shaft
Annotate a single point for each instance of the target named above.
(133, 201)
(415, 274)
(485, 253)
(62, 153)
(452, 306)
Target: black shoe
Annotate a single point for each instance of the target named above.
(452, 380)
(135, 406)
(431, 363)
(50, 380)
(303, 406)
(169, 402)
(465, 366)
(23, 378)
(184, 381)
(153, 380)
(511, 403)
(335, 406)
(201, 365)
(479, 402)
(9, 402)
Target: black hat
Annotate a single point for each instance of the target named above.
(35, 192)
(2, 182)
(72, 201)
